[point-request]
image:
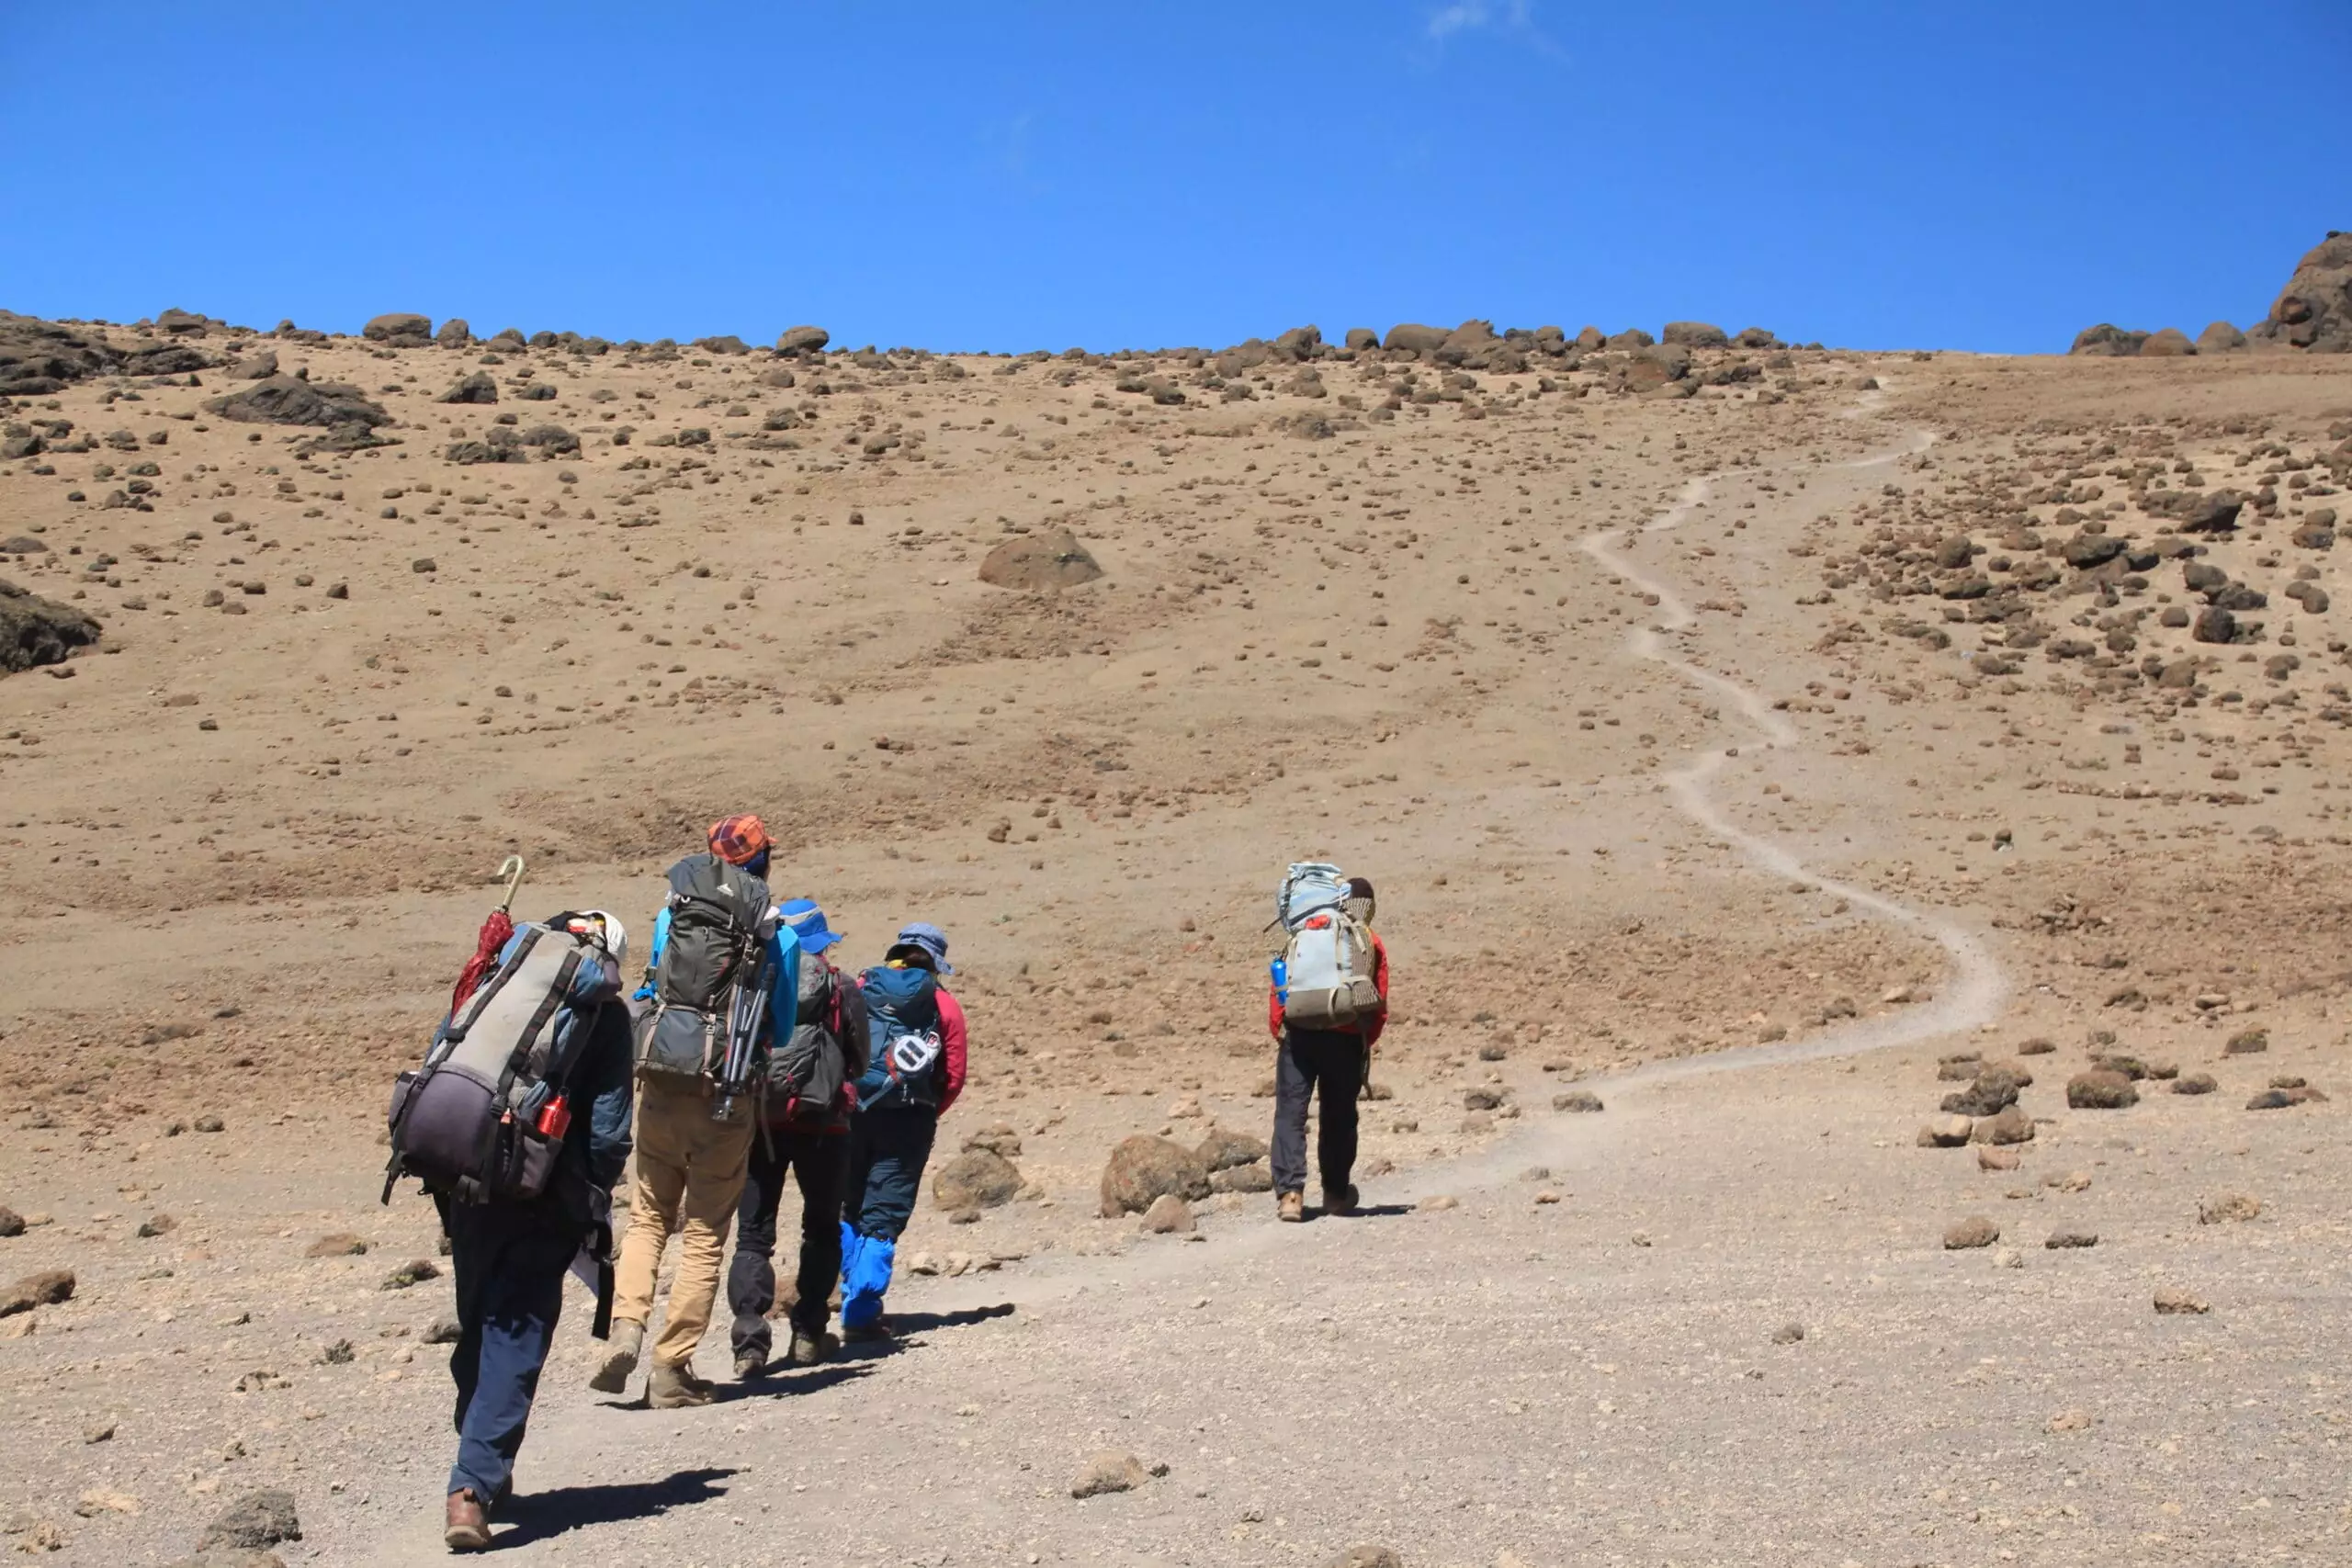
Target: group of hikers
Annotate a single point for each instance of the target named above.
(744, 1057)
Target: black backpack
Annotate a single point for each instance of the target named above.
(710, 986)
(807, 1067)
(905, 1064)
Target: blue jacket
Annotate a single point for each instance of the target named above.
(783, 966)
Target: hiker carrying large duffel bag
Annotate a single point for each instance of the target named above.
(484, 1117)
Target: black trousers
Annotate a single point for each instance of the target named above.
(1336, 1061)
(509, 1270)
(819, 1162)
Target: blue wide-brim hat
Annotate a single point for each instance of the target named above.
(808, 923)
(932, 939)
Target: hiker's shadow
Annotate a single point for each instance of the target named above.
(542, 1515)
(786, 1383)
(910, 1323)
(1372, 1212)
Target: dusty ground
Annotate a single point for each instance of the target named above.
(1664, 727)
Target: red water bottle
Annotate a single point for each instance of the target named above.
(555, 1118)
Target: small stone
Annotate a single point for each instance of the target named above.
(1108, 1470)
(47, 1288)
(1949, 1132)
(1581, 1101)
(1366, 1556)
(2175, 1302)
(1169, 1215)
(2061, 1240)
(977, 1179)
(1975, 1231)
(443, 1331)
(2229, 1207)
(2069, 1421)
(414, 1272)
(11, 1222)
(2103, 1089)
(210, 1124)
(1788, 1333)
(2247, 1042)
(336, 1244)
(1438, 1202)
(2008, 1258)
(2194, 1083)
(252, 1523)
(2010, 1125)
(103, 1432)
(1990, 1158)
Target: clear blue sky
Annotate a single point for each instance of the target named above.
(1009, 176)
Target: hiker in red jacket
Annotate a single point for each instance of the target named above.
(1339, 1059)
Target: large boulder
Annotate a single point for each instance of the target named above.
(477, 388)
(39, 357)
(1053, 559)
(289, 400)
(34, 630)
(977, 1179)
(455, 334)
(1424, 341)
(2220, 337)
(2107, 339)
(400, 328)
(1696, 335)
(2314, 311)
(803, 340)
(252, 1523)
(1223, 1149)
(2169, 342)
(1144, 1168)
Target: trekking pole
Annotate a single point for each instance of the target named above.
(511, 868)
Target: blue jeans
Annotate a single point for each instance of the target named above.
(887, 1150)
(509, 1271)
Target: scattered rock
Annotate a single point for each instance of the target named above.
(442, 1331)
(2247, 1042)
(37, 631)
(1788, 1333)
(414, 1272)
(977, 1179)
(1694, 334)
(1224, 1149)
(2100, 1089)
(1144, 1168)
(2228, 1208)
(2069, 1421)
(2175, 1302)
(1975, 1231)
(257, 368)
(2170, 342)
(1949, 1132)
(47, 1288)
(11, 1223)
(455, 334)
(1366, 1556)
(803, 340)
(1108, 1470)
(1169, 1215)
(2219, 338)
(477, 388)
(289, 400)
(1582, 1101)
(2109, 340)
(1258, 1176)
(255, 1521)
(1989, 1159)
(2010, 1125)
(2060, 1240)
(1437, 1203)
(2195, 1083)
(336, 1244)
(1030, 562)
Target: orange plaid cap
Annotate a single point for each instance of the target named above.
(737, 841)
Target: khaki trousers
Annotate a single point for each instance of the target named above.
(689, 1176)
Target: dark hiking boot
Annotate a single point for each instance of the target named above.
(812, 1349)
(1340, 1201)
(1291, 1208)
(618, 1360)
(676, 1388)
(751, 1366)
(466, 1526)
(878, 1332)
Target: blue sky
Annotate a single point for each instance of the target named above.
(1119, 174)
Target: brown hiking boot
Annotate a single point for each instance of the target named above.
(1339, 1199)
(1291, 1208)
(466, 1524)
(676, 1388)
(810, 1349)
(620, 1358)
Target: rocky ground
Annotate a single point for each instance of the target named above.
(1700, 705)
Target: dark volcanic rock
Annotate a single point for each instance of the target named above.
(1695, 334)
(2314, 311)
(1143, 1169)
(478, 388)
(34, 630)
(37, 357)
(2106, 339)
(400, 329)
(455, 334)
(252, 1523)
(289, 400)
(1423, 340)
(803, 340)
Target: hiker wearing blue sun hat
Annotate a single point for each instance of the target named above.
(915, 1067)
(806, 1121)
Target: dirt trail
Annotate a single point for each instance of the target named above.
(1978, 985)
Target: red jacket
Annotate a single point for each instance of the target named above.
(1371, 1027)
(954, 1038)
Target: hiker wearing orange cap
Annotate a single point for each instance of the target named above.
(722, 971)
